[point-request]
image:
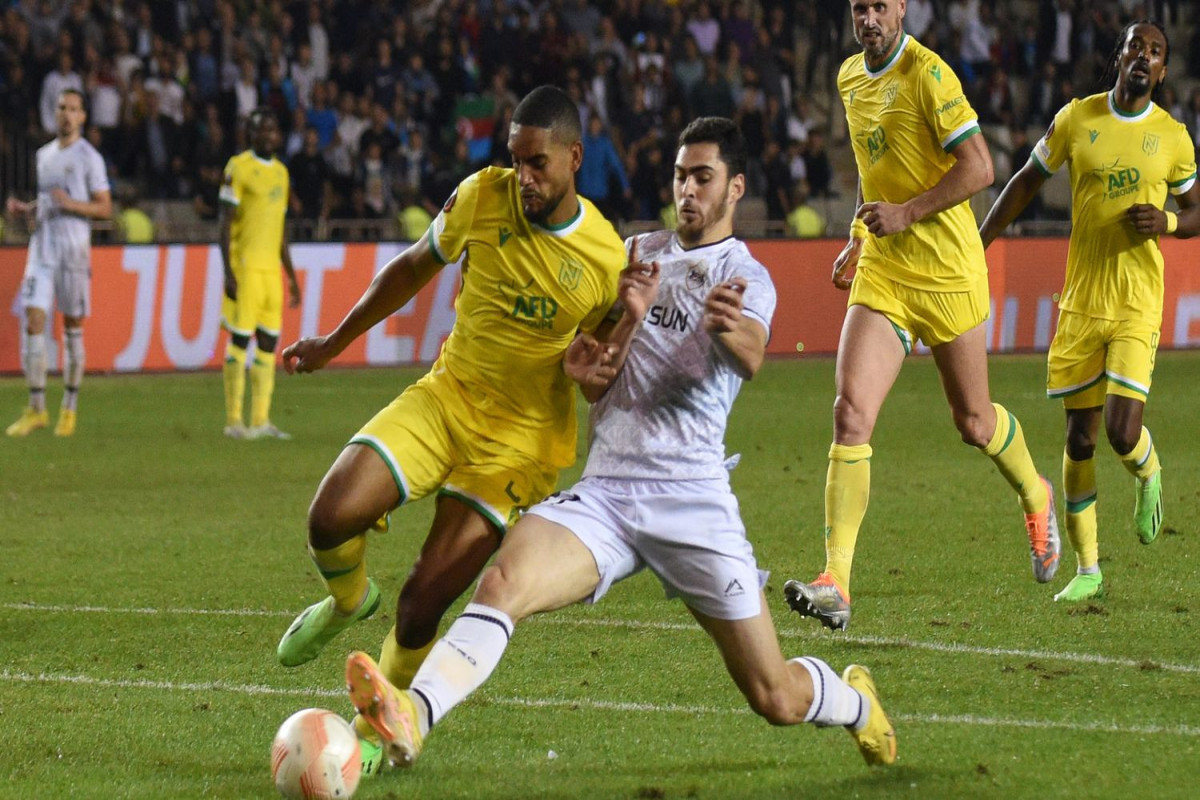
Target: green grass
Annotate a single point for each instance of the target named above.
(150, 565)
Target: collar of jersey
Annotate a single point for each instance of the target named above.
(260, 159)
(891, 62)
(562, 229)
(717, 243)
(1123, 116)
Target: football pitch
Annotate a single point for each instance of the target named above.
(150, 565)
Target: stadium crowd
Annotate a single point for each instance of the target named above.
(385, 106)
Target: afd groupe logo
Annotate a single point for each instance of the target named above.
(875, 143)
(532, 310)
(1116, 180)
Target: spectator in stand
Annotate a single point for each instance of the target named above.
(414, 166)
(1043, 97)
(712, 96)
(104, 106)
(246, 89)
(451, 81)
(740, 29)
(134, 224)
(607, 42)
(318, 40)
(374, 181)
(497, 41)
(381, 132)
(303, 73)
(63, 77)
(997, 105)
(499, 150)
(164, 84)
(778, 192)
(210, 164)
(803, 220)
(705, 29)
(602, 172)
(652, 174)
(602, 92)
(918, 17)
(384, 75)
(419, 87)
(347, 76)
(688, 67)
(818, 166)
(279, 95)
(310, 174)
(580, 16)
(320, 116)
(351, 121)
(153, 155)
(204, 68)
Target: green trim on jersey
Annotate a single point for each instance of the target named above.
(387, 459)
(875, 73)
(962, 137)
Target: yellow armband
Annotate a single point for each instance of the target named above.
(1172, 221)
(858, 229)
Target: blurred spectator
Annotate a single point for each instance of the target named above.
(1043, 97)
(320, 116)
(419, 87)
(170, 92)
(246, 88)
(134, 224)
(803, 220)
(278, 94)
(380, 132)
(318, 40)
(311, 187)
(414, 220)
(817, 166)
(351, 121)
(712, 96)
(205, 71)
(918, 17)
(652, 177)
(608, 43)
(384, 75)
(601, 177)
(740, 29)
(705, 29)
(580, 16)
(153, 154)
(689, 66)
(374, 181)
(303, 74)
(997, 108)
(414, 166)
(62, 77)
(778, 192)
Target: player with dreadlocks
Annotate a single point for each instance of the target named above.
(1125, 153)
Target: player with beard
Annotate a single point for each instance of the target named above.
(490, 425)
(1125, 154)
(655, 491)
(919, 274)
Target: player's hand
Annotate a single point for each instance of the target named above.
(884, 219)
(293, 294)
(1146, 219)
(723, 306)
(61, 199)
(588, 361)
(307, 355)
(230, 286)
(16, 208)
(846, 260)
(638, 285)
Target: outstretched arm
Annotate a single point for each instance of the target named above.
(396, 284)
(972, 171)
(1021, 188)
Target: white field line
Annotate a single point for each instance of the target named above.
(7, 676)
(877, 641)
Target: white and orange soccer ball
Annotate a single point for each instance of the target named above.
(315, 756)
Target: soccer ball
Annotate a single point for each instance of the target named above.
(315, 755)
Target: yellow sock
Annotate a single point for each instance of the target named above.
(235, 383)
(399, 664)
(1142, 460)
(344, 570)
(1008, 452)
(847, 490)
(1079, 486)
(262, 386)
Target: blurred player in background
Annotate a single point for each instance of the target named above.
(1125, 155)
(920, 274)
(655, 492)
(72, 189)
(489, 426)
(254, 201)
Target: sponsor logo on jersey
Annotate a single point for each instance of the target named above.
(1150, 144)
(951, 104)
(697, 276)
(670, 318)
(875, 143)
(1117, 181)
(936, 72)
(532, 310)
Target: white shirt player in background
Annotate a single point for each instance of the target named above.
(655, 491)
(72, 190)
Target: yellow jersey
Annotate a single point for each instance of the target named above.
(258, 190)
(1116, 160)
(905, 119)
(527, 289)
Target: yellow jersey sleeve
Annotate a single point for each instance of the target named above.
(451, 228)
(231, 187)
(1183, 174)
(950, 114)
(1054, 147)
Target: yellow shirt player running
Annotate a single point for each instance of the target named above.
(920, 274)
(487, 428)
(254, 197)
(1125, 155)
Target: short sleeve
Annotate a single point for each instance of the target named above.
(1183, 173)
(231, 185)
(451, 228)
(97, 175)
(758, 301)
(953, 118)
(1052, 149)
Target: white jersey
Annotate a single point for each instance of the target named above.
(63, 240)
(664, 416)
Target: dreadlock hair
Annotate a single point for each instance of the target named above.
(1112, 72)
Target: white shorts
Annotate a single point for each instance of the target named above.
(689, 533)
(45, 286)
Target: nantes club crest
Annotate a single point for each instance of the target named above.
(570, 272)
(1150, 144)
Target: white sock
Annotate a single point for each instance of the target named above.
(462, 660)
(834, 701)
(35, 369)
(73, 360)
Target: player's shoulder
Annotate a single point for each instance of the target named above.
(854, 64)
(923, 64)
(598, 227)
(651, 245)
(736, 255)
(492, 178)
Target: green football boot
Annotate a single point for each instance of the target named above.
(1082, 587)
(318, 624)
(1148, 508)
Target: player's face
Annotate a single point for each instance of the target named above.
(69, 114)
(266, 136)
(877, 25)
(1143, 59)
(545, 169)
(704, 192)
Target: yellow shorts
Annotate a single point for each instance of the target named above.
(932, 317)
(423, 437)
(259, 304)
(1086, 350)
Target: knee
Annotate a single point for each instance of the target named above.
(1123, 438)
(973, 428)
(329, 524)
(851, 423)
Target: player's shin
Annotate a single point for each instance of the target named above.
(1079, 486)
(344, 571)
(235, 383)
(73, 367)
(847, 491)
(262, 387)
(834, 702)
(1142, 460)
(463, 659)
(1008, 451)
(399, 664)
(35, 369)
